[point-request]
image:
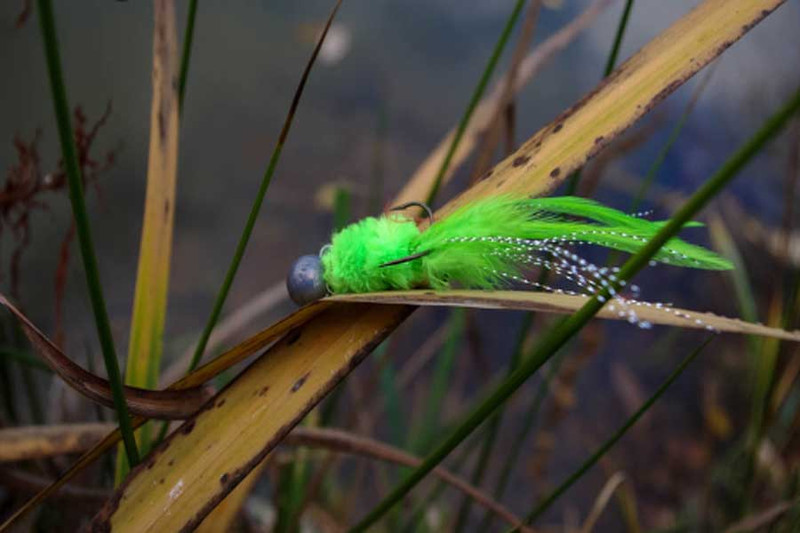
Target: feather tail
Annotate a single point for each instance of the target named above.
(487, 242)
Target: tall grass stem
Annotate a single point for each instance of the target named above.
(477, 94)
(75, 182)
(188, 40)
(244, 239)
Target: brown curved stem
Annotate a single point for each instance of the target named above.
(345, 442)
(161, 404)
(36, 442)
(27, 482)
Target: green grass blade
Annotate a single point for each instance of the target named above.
(391, 395)
(487, 447)
(429, 423)
(75, 182)
(613, 55)
(764, 363)
(527, 425)
(256, 208)
(608, 444)
(652, 172)
(186, 55)
(417, 514)
(9, 402)
(32, 396)
(32, 393)
(24, 358)
(739, 277)
(341, 208)
(559, 335)
(378, 175)
(477, 94)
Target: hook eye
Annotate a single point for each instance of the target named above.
(425, 207)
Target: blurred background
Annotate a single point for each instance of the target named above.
(393, 78)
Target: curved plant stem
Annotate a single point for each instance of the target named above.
(345, 442)
(560, 334)
(262, 191)
(477, 94)
(74, 179)
(608, 444)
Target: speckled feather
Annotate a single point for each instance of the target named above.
(487, 243)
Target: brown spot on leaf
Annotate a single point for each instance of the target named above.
(188, 427)
(299, 383)
(162, 126)
(223, 479)
(263, 390)
(599, 139)
(558, 127)
(221, 402)
(520, 160)
(294, 336)
(555, 172)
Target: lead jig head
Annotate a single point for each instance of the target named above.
(306, 282)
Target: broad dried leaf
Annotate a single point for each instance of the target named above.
(202, 461)
(223, 517)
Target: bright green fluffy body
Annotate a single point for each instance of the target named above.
(489, 243)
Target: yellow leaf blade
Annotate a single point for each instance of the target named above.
(565, 304)
(155, 250)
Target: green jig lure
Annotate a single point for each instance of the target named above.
(485, 245)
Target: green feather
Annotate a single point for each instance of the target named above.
(482, 244)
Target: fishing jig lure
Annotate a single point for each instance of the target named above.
(485, 245)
